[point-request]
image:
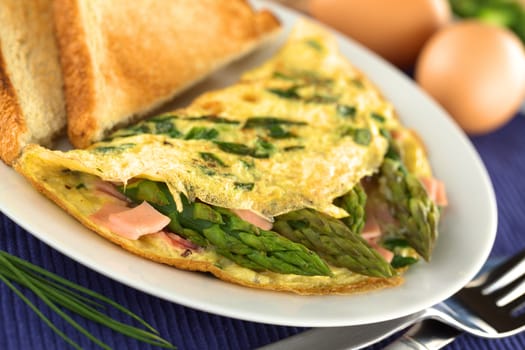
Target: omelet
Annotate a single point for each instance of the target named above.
(272, 183)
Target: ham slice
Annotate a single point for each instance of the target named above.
(436, 190)
(385, 253)
(175, 240)
(371, 231)
(130, 223)
(252, 218)
(109, 188)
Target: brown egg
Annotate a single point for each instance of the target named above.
(476, 72)
(395, 30)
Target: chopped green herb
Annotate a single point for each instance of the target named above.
(130, 131)
(346, 110)
(399, 261)
(263, 122)
(201, 133)
(247, 186)
(167, 127)
(309, 77)
(248, 163)
(162, 117)
(393, 243)
(392, 152)
(80, 186)
(160, 125)
(207, 170)
(290, 93)
(262, 149)
(278, 132)
(314, 44)
(113, 149)
(212, 158)
(293, 148)
(215, 119)
(358, 83)
(280, 75)
(235, 148)
(378, 117)
(322, 99)
(274, 126)
(360, 136)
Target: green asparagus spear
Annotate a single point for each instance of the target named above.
(333, 241)
(231, 236)
(410, 205)
(354, 203)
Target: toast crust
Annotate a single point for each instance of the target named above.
(12, 126)
(111, 78)
(31, 100)
(77, 69)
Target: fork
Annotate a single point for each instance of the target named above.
(434, 327)
(489, 306)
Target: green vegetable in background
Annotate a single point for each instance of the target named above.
(504, 13)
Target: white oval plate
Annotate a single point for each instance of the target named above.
(467, 231)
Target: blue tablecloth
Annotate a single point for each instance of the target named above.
(503, 153)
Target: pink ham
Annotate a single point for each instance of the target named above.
(131, 223)
(385, 253)
(107, 209)
(436, 190)
(371, 231)
(109, 188)
(175, 240)
(252, 218)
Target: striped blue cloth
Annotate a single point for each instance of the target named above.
(503, 153)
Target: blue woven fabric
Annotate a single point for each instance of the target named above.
(503, 153)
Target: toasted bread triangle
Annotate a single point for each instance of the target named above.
(121, 59)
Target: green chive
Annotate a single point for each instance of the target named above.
(345, 110)
(201, 133)
(378, 117)
(214, 119)
(246, 186)
(362, 137)
(314, 44)
(293, 148)
(211, 158)
(290, 93)
(234, 148)
(113, 149)
(56, 291)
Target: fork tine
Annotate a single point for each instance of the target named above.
(501, 292)
(514, 305)
(493, 275)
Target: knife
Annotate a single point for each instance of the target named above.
(425, 335)
(350, 337)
